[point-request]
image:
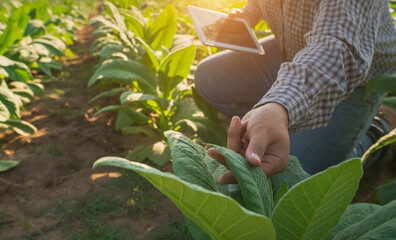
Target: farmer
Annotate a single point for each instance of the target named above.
(306, 95)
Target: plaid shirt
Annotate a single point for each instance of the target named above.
(330, 47)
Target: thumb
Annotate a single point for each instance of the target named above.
(256, 148)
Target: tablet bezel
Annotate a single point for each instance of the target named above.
(191, 10)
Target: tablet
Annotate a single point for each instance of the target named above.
(218, 30)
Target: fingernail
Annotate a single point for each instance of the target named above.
(256, 156)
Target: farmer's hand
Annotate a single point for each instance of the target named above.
(238, 13)
(263, 138)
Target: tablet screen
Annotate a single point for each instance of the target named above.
(229, 31)
(217, 29)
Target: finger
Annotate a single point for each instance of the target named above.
(214, 153)
(227, 178)
(234, 135)
(256, 149)
(243, 127)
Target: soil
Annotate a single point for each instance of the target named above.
(55, 173)
(56, 163)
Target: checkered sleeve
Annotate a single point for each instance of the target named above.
(336, 59)
(253, 12)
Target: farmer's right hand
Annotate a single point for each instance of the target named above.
(262, 137)
(238, 13)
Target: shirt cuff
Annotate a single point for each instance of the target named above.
(288, 91)
(252, 12)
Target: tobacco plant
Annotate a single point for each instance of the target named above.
(289, 205)
(142, 62)
(30, 39)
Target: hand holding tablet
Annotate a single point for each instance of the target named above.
(218, 30)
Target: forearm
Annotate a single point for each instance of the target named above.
(336, 59)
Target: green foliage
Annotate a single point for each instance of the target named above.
(381, 84)
(390, 102)
(315, 207)
(255, 187)
(6, 165)
(387, 192)
(139, 56)
(311, 208)
(378, 225)
(353, 214)
(32, 37)
(162, 29)
(218, 215)
(21, 127)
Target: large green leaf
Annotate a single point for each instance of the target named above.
(15, 28)
(107, 51)
(115, 14)
(16, 71)
(101, 42)
(23, 91)
(210, 131)
(126, 70)
(139, 153)
(182, 149)
(107, 108)
(293, 175)
(35, 27)
(150, 59)
(40, 10)
(53, 44)
(150, 132)
(21, 127)
(134, 22)
(381, 84)
(175, 67)
(387, 192)
(256, 190)
(10, 101)
(128, 116)
(216, 214)
(36, 86)
(312, 207)
(188, 161)
(379, 225)
(163, 29)
(131, 96)
(109, 93)
(46, 64)
(353, 214)
(4, 113)
(390, 102)
(7, 164)
(159, 153)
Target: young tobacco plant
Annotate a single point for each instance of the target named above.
(289, 205)
(30, 39)
(150, 73)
